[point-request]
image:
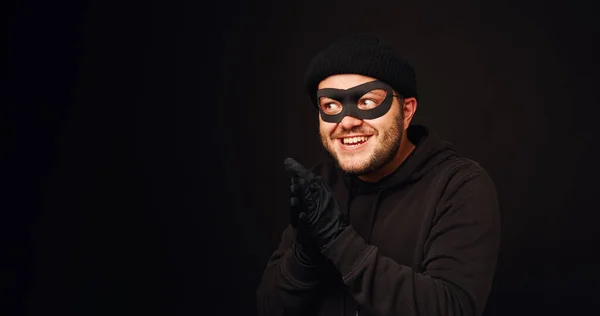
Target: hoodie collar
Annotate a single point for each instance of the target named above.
(430, 149)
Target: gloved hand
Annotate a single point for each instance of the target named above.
(305, 250)
(317, 205)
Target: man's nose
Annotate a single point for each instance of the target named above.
(348, 122)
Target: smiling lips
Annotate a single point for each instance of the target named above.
(354, 141)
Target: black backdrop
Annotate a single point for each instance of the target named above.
(142, 143)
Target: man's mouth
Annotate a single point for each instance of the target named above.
(354, 141)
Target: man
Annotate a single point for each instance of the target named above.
(397, 223)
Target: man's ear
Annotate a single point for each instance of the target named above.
(409, 108)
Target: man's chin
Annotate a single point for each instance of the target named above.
(353, 168)
(352, 164)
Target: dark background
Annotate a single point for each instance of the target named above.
(142, 143)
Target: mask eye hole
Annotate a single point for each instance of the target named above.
(372, 99)
(330, 106)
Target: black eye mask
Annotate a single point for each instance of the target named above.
(349, 99)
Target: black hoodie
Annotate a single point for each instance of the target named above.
(422, 241)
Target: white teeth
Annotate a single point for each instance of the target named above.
(354, 140)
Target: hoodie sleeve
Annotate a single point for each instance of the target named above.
(287, 287)
(459, 258)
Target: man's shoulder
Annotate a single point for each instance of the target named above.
(459, 170)
(462, 165)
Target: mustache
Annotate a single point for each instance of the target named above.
(360, 130)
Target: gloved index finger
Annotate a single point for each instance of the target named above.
(293, 184)
(297, 170)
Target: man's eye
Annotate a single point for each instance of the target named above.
(366, 104)
(330, 107)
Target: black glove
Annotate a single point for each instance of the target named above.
(305, 250)
(317, 205)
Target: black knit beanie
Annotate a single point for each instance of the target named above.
(363, 54)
